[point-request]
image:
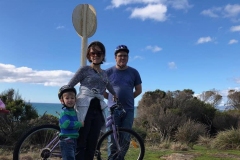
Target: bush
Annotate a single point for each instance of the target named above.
(190, 132)
(229, 139)
(141, 132)
(204, 141)
(154, 138)
(179, 147)
(11, 130)
(226, 120)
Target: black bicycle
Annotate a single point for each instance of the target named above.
(42, 142)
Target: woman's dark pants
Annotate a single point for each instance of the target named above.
(89, 134)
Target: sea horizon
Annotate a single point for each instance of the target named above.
(52, 108)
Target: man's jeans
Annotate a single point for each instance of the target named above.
(126, 121)
(68, 148)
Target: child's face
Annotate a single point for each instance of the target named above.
(69, 99)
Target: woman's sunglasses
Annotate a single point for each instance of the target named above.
(99, 53)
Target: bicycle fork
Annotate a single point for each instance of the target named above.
(116, 137)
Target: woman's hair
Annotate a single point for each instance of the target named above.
(93, 45)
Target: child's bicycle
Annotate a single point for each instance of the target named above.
(42, 142)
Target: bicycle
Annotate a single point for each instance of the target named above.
(42, 142)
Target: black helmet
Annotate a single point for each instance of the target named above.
(121, 48)
(66, 88)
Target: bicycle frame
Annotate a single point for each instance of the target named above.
(55, 143)
(111, 122)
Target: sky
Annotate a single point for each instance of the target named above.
(174, 44)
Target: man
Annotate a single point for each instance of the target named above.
(127, 84)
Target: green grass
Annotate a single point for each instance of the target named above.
(197, 153)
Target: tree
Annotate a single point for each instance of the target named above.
(162, 113)
(212, 97)
(233, 99)
(20, 110)
(20, 118)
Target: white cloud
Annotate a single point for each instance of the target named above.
(204, 40)
(232, 10)
(60, 27)
(152, 11)
(228, 11)
(11, 74)
(235, 28)
(154, 48)
(237, 80)
(213, 12)
(137, 57)
(180, 4)
(108, 63)
(118, 3)
(172, 65)
(232, 41)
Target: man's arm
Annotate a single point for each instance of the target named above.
(138, 90)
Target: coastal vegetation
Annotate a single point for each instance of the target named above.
(170, 122)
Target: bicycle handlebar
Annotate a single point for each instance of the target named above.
(118, 106)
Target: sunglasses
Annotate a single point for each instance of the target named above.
(98, 54)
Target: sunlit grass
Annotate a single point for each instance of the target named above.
(154, 153)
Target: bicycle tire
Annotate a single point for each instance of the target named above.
(32, 144)
(135, 151)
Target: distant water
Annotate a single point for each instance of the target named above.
(53, 108)
(48, 108)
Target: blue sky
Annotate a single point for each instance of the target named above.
(174, 44)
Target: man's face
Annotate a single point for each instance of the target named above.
(121, 59)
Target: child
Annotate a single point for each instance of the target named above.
(68, 122)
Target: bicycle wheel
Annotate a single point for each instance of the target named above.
(131, 148)
(39, 142)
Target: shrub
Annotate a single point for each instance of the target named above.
(226, 120)
(11, 130)
(179, 147)
(141, 132)
(189, 132)
(204, 141)
(154, 138)
(229, 139)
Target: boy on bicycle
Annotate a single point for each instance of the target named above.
(68, 122)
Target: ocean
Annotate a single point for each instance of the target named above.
(54, 108)
(48, 108)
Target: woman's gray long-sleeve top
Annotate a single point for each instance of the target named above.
(92, 84)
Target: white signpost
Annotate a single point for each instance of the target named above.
(85, 23)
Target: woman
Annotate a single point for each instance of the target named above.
(90, 101)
